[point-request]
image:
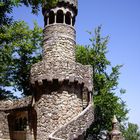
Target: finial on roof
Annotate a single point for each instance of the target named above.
(116, 133)
(114, 120)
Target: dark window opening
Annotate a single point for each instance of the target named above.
(68, 18)
(73, 21)
(24, 123)
(51, 17)
(16, 128)
(60, 17)
(46, 21)
(20, 124)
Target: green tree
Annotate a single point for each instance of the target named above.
(10, 67)
(5, 9)
(105, 80)
(20, 48)
(5, 20)
(132, 132)
(36, 4)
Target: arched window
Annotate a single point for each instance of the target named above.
(46, 20)
(85, 97)
(73, 21)
(51, 17)
(16, 125)
(60, 17)
(68, 18)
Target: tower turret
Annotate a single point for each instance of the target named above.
(59, 33)
(62, 87)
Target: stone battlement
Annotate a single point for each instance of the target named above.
(62, 71)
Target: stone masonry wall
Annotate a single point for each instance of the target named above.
(76, 127)
(15, 104)
(59, 43)
(57, 70)
(8, 108)
(4, 129)
(56, 109)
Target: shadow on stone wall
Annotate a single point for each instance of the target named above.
(33, 122)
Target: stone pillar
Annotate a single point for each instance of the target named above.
(64, 18)
(116, 133)
(55, 18)
(71, 20)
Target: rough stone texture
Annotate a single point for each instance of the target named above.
(7, 108)
(57, 70)
(59, 58)
(76, 127)
(15, 104)
(55, 110)
(4, 129)
(59, 43)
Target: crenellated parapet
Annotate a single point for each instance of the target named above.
(71, 71)
(72, 4)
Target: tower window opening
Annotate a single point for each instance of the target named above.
(51, 17)
(73, 21)
(68, 18)
(46, 20)
(60, 16)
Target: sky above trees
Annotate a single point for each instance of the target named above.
(121, 21)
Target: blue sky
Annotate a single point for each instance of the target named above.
(120, 19)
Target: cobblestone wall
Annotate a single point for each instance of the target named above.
(4, 129)
(57, 70)
(56, 108)
(59, 42)
(76, 127)
(15, 104)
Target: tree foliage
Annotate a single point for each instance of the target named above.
(35, 4)
(5, 9)
(20, 47)
(132, 132)
(105, 79)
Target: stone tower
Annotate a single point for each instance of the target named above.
(62, 88)
(61, 105)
